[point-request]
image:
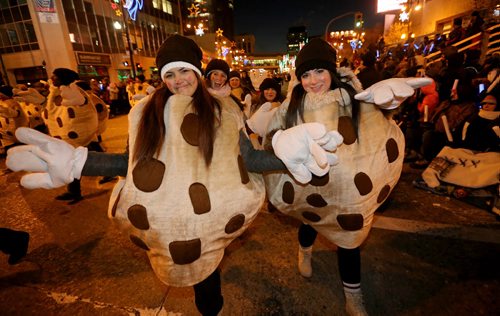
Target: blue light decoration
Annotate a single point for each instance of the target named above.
(132, 7)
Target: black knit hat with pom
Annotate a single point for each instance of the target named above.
(314, 55)
(179, 51)
(217, 64)
(269, 83)
(66, 76)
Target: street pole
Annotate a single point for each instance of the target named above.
(180, 16)
(334, 19)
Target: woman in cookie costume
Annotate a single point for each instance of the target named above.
(341, 204)
(186, 193)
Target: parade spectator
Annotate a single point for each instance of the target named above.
(241, 93)
(475, 25)
(482, 131)
(369, 75)
(114, 99)
(457, 33)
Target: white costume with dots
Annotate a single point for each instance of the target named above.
(183, 213)
(341, 204)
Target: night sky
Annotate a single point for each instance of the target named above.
(269, 20)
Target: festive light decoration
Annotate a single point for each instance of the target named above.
(199, 31)
(133, 6)
(404, 16)
(219, 32)
(194, 10)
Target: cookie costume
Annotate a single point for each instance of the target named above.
(188, 213)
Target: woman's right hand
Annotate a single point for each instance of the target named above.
(51, 162)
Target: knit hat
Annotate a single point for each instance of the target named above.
(178, 51)
(217, 64)
(233, 74)
(315, 54)
(489, 99)
(269, 83)
(66, 76)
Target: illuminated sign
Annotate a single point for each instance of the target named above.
(132, 7)
(389, 5)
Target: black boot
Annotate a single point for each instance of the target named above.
(14, 243)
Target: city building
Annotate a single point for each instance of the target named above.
(297, 37)
(245, 42)
(208, 16)
(96, 38)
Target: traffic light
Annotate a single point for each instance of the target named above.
(358, 20)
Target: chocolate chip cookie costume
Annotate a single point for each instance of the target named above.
(188, 213)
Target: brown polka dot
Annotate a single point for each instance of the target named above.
(99, 107)
(37, 118)
(9, 133)
(311, 216)
(235, 223)
(189, 129)
(320, 181)
(138, 216)
(139, 242)
(199, 198)
(37, 109)
(29, 113)
(46, 114)
(58, 100)
(392, 149)
(115, 205)
(73, 135)
(316, 200)
(346, 129)
(288, 193)
(71, 113)
(59, 122)
(363, 183)
(148, 174)
(383, 193)
(185, 252)
(350, 222)
(243, 170)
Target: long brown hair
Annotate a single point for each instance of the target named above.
(296, 106)
(151, 131)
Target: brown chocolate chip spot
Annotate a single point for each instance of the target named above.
(138, 216)
(383, 193)
(288, 193)
(189, 128)
(235, 223)
(46, 114)
(59, 122)
(185, 252)
(319, 181)
(37, 109)
(392, 149)
(139, 242)
(71, 113)
(73, 135)
(148, 174)
(200, 199)
(311, 216)
(346, 129)
(363, 183)
(115, 205)
(29, 113)
(9, 133)
(99, 107)
(316, 200)
(58, 100)
(350, 222)
(243, 170)
(37, 118)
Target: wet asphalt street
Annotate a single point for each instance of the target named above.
(426, 255)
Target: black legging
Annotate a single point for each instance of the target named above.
(208, 295)
(349, 259)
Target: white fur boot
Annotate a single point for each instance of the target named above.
(354, 305)
(305, 267)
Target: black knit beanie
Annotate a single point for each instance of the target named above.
(217, 64)
(314, 55)
(66, 76)
(179, 51)
(233, 74)
(269, 83)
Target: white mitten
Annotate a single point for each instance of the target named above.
(53, 162)
(260, 120)
(300, 150)
(390, 93)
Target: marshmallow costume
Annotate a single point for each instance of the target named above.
(180, 211)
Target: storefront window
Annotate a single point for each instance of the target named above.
(30, 75)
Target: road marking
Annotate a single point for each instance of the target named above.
(481, 234)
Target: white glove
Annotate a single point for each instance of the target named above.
(53, 162)
(300, 150)
(260, 120)
(390, 93)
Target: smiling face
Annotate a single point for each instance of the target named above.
(181, 80)
(270, 94)
(234, 82)
(316, 80)
(217, 79)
